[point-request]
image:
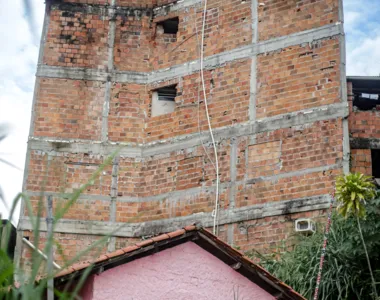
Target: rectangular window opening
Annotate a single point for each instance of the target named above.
(375, 157)
(366, 101)
(170, 26)
(163, 100)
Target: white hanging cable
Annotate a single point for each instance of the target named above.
(198, 94)
(215, 212)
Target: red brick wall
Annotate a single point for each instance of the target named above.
(298, 77)
(67, 172)
(169, 208)
(227, 91)
(67, 247)
(364, 124)
(127, 113)
(69, 109)
(294, 187)
(228, 26)
(282, 17)
(271, 233)
(76, 39)
(133, 41)
(361, 161)
(288, 80)
(297, 148)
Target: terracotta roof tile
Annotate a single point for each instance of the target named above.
(66, 271)
(144, 243)
(101, 258)
(130, 248)
(176, 233)
(116, 253)
(80, 266)
(160, 238)
(190, 228)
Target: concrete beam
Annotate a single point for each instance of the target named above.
(155, 227)
(178, 195)
(211, 62)
(295, 173)
(101, 9)
(365, 143)
(173, 7)
(67, 196)
(253, 78)
(338, 110)
(73, 146)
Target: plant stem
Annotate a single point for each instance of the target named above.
(368, 261)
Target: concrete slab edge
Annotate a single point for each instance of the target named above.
(155, 227)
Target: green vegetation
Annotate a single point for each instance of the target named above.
(346, 271)
(33, 286)
(352, 193)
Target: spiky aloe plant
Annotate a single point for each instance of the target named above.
(352, 192)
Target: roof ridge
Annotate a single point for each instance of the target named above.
(103, 257)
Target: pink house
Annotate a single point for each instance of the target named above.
(188, 264)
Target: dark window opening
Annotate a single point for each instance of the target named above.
(167, 93)
(163, 100)
(375, 157)
(365, 92)
(170, 25)
(366, 101)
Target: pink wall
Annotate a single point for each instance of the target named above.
(184, 272)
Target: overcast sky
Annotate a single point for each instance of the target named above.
(18, 61)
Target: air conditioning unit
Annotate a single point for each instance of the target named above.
(305, 226)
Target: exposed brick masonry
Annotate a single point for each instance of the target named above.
(76, 121)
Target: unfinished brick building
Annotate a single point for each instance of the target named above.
(127, 72)
(364, 125)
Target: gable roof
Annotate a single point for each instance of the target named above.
(209, 242)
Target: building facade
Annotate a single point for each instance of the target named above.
(124, 75)
(364, 124)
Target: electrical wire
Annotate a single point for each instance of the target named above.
(215, 212)
(198, 99)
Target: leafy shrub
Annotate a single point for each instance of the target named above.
(345, 272)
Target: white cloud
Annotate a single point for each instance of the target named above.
(362, 37)
(19, 53)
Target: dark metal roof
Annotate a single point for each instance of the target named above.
(365, 84)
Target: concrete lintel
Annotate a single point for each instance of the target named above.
(210, 62)
(328, 112)
(177, 195)
(298, 38)
(253, 78)
(159, 226)
(365, 143)
(338, 110)
(71, 73)
(130, 76)
(295, 173)
(102, 9)
(173, 7)
(84, 147)
(66, 196)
